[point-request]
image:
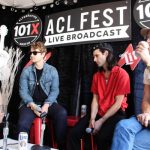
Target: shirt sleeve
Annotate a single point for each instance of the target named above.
(94, 88)
(23, 87)
(123, 86)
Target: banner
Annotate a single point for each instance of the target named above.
(101, 22)
(129, 57)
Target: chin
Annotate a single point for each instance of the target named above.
(99, 65)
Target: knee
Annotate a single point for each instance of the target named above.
(123, 124)
(23, 126)
(122, 127)
(125, 128)
(22, 123)
(62, 113)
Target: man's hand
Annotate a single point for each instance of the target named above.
(143, 119)
(98, 125)
(32, 105)
(92, 122)
(45, 108)
(143, 50)
(36, 109)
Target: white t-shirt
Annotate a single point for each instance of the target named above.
(146, 76)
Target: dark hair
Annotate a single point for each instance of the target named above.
(111, 60)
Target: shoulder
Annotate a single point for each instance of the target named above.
(47, 66)
(96, 74)
(120, 73)
(50, 69)
(26, 69)
(120, 70)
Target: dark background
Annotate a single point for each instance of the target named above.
(74, 63)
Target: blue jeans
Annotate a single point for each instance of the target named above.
(130, 135)
(57, 114)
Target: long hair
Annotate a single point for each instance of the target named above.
(111, 60)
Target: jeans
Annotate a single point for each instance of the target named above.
(57, 114)
(131, 135)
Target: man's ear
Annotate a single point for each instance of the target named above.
(44, 54)
(106, 53)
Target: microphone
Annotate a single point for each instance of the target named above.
(37, 111)
(89, 130)
(42, 115)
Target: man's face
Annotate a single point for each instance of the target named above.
(36, 55)
(99, 57)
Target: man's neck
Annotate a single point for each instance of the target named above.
(39, 65)
(106, 74)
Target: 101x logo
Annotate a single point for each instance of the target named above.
(27, 30)
(142, 13)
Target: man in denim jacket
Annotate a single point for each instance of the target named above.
(38, 89)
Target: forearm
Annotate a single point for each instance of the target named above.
(146, 106)
(26, 98)
(94, 109)
(111, 111)
(146, 99)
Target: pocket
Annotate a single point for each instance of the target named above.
(47, 85)
(31, 84)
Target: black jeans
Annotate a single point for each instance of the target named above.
(57, 114)
(103, 138)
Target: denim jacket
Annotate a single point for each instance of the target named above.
(49, 82)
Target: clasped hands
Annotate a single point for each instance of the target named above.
(96, 125)
(37, 109)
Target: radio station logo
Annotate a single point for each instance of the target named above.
(142, 13)
(27, 30)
